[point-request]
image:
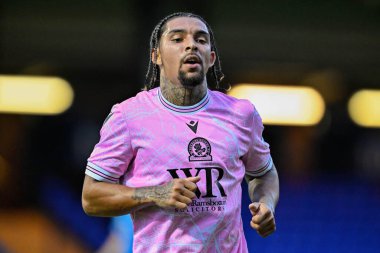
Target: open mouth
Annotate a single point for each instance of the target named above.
(192, 61)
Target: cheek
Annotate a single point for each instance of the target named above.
(170, 58)
(207, 58)
(171, 66)
(207, 63)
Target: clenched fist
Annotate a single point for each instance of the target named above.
(262, 219)
(178, 193)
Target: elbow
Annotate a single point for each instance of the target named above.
(88, 198)
(88, 208)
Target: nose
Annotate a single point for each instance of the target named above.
(191, 45)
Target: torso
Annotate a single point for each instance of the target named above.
(207, 139)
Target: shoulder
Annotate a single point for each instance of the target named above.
(141, 97)
(240, 106)
(141, 101)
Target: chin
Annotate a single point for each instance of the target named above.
(191, 79)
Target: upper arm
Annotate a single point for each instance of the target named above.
(112, 154)
(270, 173)
(88, 182)
(257, 159)
(88, 186)
(102, 198)
(264, 188)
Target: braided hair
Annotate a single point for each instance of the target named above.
(152, 78)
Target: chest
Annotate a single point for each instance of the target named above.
(193, 138)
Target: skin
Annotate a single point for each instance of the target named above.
(105, 199)
(264, 194)
(182, 37)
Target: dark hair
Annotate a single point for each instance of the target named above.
(152, 78)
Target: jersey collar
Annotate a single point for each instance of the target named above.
(184, 109)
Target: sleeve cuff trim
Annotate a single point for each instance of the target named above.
(98, 172)
(99, 178)
(260, 172)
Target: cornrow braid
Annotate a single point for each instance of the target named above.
(152, 77)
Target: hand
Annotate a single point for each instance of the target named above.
(262, 219)
(178, 193)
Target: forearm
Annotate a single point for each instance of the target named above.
(265, 189)
(105, 199)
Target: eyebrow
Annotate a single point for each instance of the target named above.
(199, 32)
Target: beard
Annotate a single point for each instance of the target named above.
(193, 80)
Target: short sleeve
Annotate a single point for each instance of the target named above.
(257, 160)
(112, 154)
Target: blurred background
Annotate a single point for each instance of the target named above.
(329, 171)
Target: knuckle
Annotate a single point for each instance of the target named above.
(171, 202)
(180, 180)
(177, 183)
(176, 187)
(254, 226)
(181, 205)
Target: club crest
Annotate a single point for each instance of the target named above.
(199, 150)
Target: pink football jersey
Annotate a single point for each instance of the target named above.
(148, 141)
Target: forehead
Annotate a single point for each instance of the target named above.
(188, 24)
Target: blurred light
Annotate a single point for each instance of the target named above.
(34, 95)
(364, 108)
(283, 105)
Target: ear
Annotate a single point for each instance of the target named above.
(156, 56)
(212, 58)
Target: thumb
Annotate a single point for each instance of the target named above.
(254, 207)
(194, 179)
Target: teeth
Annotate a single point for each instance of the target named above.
(192, 60)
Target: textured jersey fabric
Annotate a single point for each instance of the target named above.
(147, 141)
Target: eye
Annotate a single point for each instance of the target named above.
(176, 40)
(202, 40)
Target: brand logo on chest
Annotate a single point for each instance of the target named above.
(193, 126)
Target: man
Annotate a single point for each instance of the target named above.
(174, 156)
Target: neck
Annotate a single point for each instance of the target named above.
(180, 95)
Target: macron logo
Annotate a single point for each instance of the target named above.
(193, 126)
